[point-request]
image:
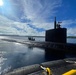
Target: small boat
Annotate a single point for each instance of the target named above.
(31, 38)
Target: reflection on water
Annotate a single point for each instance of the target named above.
(15, 55)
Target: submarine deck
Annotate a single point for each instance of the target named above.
(58, 67)
(63, 47)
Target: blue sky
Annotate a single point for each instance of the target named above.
(34, 17)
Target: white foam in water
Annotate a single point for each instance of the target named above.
(2, 60)
(6, 70)
(2, 37)
(0, 70)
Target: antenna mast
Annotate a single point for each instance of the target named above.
(55, 23)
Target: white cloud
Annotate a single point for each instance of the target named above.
(68, 22)
(10, 27)
(69, 25)
(71, 32)
(44, 25)
(37, 11)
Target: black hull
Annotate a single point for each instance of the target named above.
(58, 67)
(49, 46)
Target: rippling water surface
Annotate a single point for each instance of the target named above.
(14, 55)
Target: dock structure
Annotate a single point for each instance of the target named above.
(58, 67)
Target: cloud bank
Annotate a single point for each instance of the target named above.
(27, 17)
(30, 17)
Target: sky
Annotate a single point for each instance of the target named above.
(34, 17)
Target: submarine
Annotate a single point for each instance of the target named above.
(56, 41)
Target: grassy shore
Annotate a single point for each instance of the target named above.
(71, 36)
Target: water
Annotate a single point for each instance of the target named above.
(71, 40)
(15, 55)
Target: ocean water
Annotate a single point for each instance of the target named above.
(15, 55)
(71, 40)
